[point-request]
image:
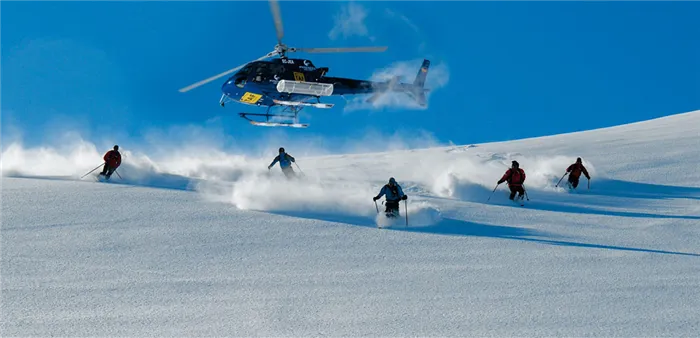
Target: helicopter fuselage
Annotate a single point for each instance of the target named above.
(262, 83)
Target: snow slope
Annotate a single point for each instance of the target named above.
(215, 246)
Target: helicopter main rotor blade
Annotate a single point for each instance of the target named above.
(339, 50)
(275, 9)
(205, 81)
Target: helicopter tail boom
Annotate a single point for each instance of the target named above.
(415, 90)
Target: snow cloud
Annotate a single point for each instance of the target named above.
(350, 21)
(193, 151)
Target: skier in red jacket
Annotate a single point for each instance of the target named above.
(575, 171)
(515, 178)
(112, 161)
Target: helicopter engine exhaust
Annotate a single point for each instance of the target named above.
(305, 88)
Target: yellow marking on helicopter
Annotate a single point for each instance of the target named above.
(299, 76)
(249, 97)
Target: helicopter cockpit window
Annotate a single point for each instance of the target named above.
(240, 81)
(245, 70)
(267, 71)
(242, 76)
(261, 72)
(263, 69)
(276, 69)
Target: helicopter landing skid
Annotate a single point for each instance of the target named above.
(304, 104)
(277, 120)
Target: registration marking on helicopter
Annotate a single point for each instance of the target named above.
(249, 97)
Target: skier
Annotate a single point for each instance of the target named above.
(575, 171)
(285, 161)
(113, 159)
(515, 178)
(394, 194)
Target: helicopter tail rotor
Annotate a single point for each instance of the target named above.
(417, 90)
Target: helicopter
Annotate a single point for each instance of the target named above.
(286, 85)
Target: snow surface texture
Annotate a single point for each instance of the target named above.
(215, 246)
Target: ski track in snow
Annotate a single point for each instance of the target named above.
(215, 245)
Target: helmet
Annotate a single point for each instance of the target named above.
(515, 164)
(281, 150)
(116, 147)
(578, 160)
(392, 180)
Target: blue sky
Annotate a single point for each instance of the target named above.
(502, 70)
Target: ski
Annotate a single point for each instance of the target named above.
(519, 200)
(389, 220)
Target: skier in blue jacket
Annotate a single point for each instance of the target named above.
(394, 194)
(285, 161)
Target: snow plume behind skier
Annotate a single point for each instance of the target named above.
(258, 191)
(325, 198)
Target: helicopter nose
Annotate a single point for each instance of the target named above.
(228, 86)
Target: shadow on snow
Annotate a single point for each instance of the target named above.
(162, 181)
(564, 208)
(555, 202)
(454, 227)
(617, 188)
(329, 217)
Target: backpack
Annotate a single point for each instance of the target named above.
(520, 175)
(394, 190)
(286, 158)
(113, 155)
(577, 168)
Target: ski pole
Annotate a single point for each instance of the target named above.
(526, 196)
(92, 170)
(375, 206)
(561, 179)
(120, 176)
(494, 190)
(589, 184)
(405, 206)
(301, 171)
